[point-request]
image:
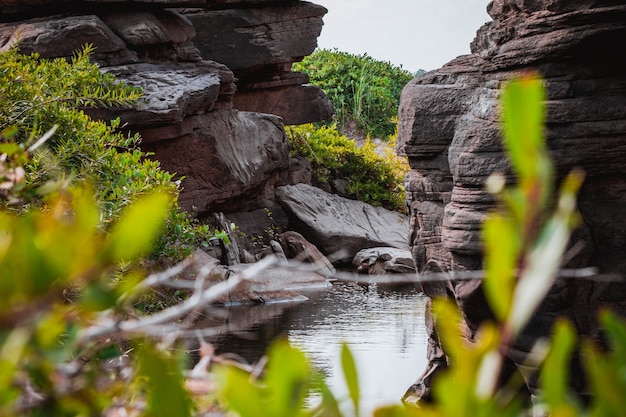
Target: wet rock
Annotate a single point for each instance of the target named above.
(296, 247)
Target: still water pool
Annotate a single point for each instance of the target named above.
(384, 329)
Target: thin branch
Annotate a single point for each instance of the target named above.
(159, 322)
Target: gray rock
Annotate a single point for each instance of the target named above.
(378, 261)
(341, 227)
(171, 92)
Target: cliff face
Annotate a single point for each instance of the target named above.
(216, 76)
(449, 130)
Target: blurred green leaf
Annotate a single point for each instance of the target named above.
(351, 376)
(166, 393)
(136, 231)
(502, 250)
(523, 121)
(287, 379)
(554, 372)
(238, 390)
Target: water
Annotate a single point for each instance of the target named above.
(384, 329)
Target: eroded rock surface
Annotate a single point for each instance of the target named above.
(449, 129)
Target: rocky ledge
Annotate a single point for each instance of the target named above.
(218, 91)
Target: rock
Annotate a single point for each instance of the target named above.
(172, 93)
(449, 128)
(340, 227)
(190, 57)
(259, 44)
(246, 39)
(273, 285)
(296, 104)
(379, 261)
(296, 247)
(226, 158)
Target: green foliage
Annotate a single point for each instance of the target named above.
(370, 177)
(363, 91)
(58, 271)
(280, 393)
(48, 141)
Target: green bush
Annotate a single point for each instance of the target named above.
(42, 95)
(372, 176)
(365, 92)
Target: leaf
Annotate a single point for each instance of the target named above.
(350, 374)
(545, 258)
(287, 379)
(166, 393)
(523, 120)
(236, 388)
(554, 372)
(501, 254)
(136, 230)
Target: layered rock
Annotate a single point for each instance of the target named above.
(259, 44)
(190, 57)
(449, 129)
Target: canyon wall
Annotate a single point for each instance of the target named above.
(217, 81)
(449, 130)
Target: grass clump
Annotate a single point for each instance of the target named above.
(371, 174)
(364, 92)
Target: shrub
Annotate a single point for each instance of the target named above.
(372, 176)
(365, 92)
(42, 95)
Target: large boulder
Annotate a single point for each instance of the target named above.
(449, 129)
(338, 226)
(226, 157)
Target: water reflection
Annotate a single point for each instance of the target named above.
(383, 327)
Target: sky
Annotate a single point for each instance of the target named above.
(414, 34)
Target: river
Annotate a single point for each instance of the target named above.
(384, 329)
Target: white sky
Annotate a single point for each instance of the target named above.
(416, 34)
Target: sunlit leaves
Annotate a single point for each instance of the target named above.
(364, 92)
(280, 393)
(164, 381)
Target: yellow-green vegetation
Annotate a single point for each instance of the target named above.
(58, 273)
(47, 142)
(365, 92)
(373, 175)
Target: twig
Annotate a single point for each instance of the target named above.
(160, 323)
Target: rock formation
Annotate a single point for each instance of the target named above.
(449, 130)
(338, 226)
(216, 75)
